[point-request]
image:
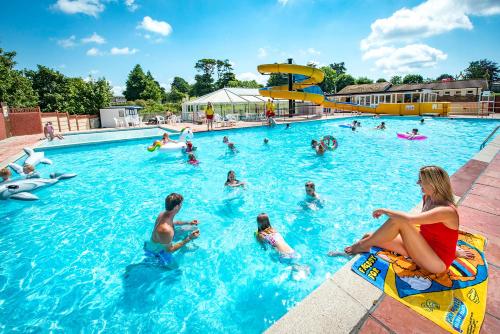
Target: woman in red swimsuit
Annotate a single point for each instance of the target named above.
(433, 246)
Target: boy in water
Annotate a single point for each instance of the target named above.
(311, 190)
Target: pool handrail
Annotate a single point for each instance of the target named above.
(488, 138)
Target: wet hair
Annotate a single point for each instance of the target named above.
(311, 184)
(353, 128)
(439, 179)
(172, 200)
(383, 123)
(263, 222)
(5, 173)
(415, 130)
(266, 140)
(422, 120)
(314, 142)
(191, 156)
(165, 135)
(228, 173)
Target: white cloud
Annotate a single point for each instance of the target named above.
(262, 53)
(68, 42)
(262, 79)
(283, 2)
(310, 51)
(94, 52)
(131, 5)
(401, 33)
(159, 27)
(123, 51)
(95, 38)
(118, 90)
(409, 58)
(88, 7)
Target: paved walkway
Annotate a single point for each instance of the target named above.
(11, 148)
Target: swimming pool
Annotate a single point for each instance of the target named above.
(94, 137)
(74, 261)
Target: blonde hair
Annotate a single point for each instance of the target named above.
(29, 167)
(440, 181)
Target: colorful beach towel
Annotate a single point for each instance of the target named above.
(455, 300)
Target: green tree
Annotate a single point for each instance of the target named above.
(101, 95)
(244, 84)
(136, 83)
(444, 76)
(413, 79)
(180, 85)
(363, 80)
(277, 79)
(225, 79)
(152, 89)
(15, 89)
(483, 69)
(396, 80)
(381, 80)
(343, 81)
(339, 68)
(52, 88)
(175, 95)
(204, 84)
(206, 66)
(329, 82)
(224, 73)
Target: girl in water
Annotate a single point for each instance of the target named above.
(232, 181)
(267, 235)
(432, 246)
(192, 159)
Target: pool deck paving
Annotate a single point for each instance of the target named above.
(346, 303)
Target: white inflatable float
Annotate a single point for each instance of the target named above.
(186, 134)
(33, 159)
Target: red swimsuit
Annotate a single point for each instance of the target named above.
(442, 239)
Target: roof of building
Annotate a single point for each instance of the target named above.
(229, 95)
(388, 87)
(365, 88)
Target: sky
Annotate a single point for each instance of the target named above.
(375, 38)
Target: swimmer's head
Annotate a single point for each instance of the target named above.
(310, 188)
(353, 128)
(191, 157)
(383, 123)
(314, 143)
(415, 131)
(231, 175)
(422, 120)
(266, 140)
(225, 139)
(173, 202)
(5, 173)
(263, 222)
(27, 168)
(165, 135)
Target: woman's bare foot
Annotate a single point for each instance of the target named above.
(356, 249)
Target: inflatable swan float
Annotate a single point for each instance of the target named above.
(20, 189)
(186, 134)
(33, 159)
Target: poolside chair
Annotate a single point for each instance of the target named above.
(160, 120)
(219, 121)
(118, 123)
(231, 120)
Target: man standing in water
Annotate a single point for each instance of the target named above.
(161, 244)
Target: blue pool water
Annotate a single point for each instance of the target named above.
(73, 260)
(104, 136)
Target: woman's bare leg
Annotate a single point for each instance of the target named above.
(411, 241)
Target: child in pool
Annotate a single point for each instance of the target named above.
(267, 235)
(232, 148)
(422, 121)
(266, 141)
(320, 149)
(381, 126)
(413, 133)
(189, 147)
(29, 172)
(192, 159)
(311, 190)
(314, 143)
(225, 140)
(232, 181)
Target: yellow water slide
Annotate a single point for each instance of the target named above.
(316, 76)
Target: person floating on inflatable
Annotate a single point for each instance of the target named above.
(413, 133)
(158, 143)
(192, 159)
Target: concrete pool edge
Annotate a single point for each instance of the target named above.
(346, 303)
